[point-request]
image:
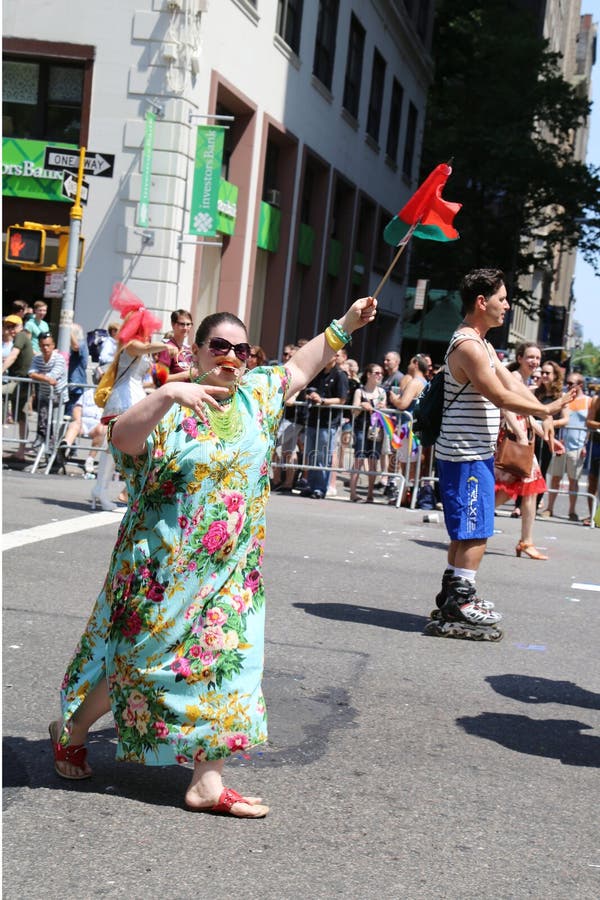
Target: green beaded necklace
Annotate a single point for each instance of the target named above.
(226, 422)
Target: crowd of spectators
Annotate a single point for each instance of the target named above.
(328, 428)
(326, 441)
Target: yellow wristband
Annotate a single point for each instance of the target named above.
(334, 342)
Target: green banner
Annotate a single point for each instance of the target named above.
(227, 207)
(143, 212)
(306, 244)
(269, 223)
(23, 173)
(207, 176)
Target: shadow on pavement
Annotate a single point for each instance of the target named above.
(18, 465)
(443, 545)
(529, 689)
(552, 738)
(365, 615)
(440, 545)
(29, 763)
(67, 504)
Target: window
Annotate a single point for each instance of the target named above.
(391, 147)
(356, 47)
(325, 41)
(308, 191)
(289, 23)
(271, 172)
(42, 100)
(409, 144)
(376, 96)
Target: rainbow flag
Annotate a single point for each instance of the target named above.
(396, 431)
(389, 426)
(428, 215)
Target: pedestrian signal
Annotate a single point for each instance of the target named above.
(25, 245)
(63, 250)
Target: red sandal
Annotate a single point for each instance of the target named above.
(223, 805)
(75, 754)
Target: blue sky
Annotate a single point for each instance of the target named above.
(587, 285)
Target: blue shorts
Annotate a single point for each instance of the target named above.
(468, 496)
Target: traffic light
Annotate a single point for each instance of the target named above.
(25, 245)
(63, 250)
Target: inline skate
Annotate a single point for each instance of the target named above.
(462, 615)
(442, 596)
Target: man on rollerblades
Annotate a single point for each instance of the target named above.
(465, 453)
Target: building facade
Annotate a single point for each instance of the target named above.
(573, 37)
(300, 122)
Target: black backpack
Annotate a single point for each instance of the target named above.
(429, 409)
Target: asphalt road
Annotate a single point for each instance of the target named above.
(399, 766)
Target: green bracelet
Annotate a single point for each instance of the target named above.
(339, 332)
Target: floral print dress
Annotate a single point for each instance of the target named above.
(178, 629)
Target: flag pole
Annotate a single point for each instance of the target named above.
(401, 249)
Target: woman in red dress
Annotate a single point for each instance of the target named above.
(510, 486)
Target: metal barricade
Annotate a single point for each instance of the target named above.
(34, 421)
(305, 448)
(18, 411)
(425, 473)
(63, 421)
(583, 440)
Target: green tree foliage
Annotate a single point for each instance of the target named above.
(587, 360)
(500, 109)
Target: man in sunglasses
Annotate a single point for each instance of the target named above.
(574, 437)
(179, 365)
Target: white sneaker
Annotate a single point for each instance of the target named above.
(331, 492)
(89, 465)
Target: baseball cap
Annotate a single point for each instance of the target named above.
(13, 320)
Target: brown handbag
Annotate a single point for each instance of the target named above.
(515, 458)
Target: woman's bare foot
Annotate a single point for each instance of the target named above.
(245, 808)
(70, 761)
(206, 791)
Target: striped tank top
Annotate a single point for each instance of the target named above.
(470, 425)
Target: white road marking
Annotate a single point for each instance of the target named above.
(58, 529)
(581, 586)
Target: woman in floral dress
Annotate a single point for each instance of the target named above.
(174, 645)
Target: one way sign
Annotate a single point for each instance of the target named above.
(69, 187)
(101, 164)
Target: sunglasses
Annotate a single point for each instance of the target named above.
(574, 383)
(221, 347)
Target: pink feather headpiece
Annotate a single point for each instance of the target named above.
(139, 323)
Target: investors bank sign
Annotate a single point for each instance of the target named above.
(207, 176)
(23, 172)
